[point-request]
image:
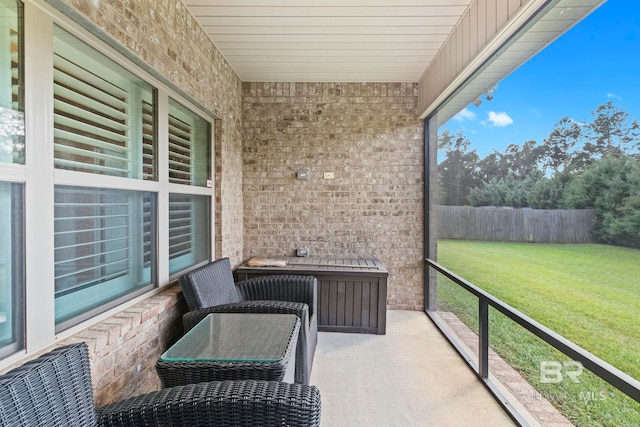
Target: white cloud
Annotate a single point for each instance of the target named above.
(612, 95)
(465, 114)
(499, 119)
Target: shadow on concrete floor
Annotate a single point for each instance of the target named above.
(409, 377)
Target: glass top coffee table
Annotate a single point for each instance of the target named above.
(233, 346)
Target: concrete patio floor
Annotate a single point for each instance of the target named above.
(409, 377)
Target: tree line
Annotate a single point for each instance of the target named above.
(579, 165)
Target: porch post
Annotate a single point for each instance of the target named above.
(430, 215)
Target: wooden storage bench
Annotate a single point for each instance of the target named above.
(352, 293)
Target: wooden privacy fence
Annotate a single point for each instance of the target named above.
(502, 224)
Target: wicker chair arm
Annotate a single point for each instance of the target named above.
(224, 403)
(191, 318)
(282, 288)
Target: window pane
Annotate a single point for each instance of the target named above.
(189, 147)
(103, 115)
(11, 83)
(11, 268)
(104, 249)
(189, 231)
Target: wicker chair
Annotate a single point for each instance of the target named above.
(211, 288)
(55, 390)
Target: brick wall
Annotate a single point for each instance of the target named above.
(124, 348)
(369, 136)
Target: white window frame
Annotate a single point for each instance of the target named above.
(40, 176)
(13, 174)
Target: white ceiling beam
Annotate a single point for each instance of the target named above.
(415, 47)
(304, 11)
(426, 41)
(319, 30)
(344, 53)
(316, 76)
(328, 3)
(323, 21)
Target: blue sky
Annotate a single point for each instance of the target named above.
(598, 60)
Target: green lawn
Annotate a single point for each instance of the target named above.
(588, 293)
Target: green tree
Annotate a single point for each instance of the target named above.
(492, 192)
(492, 166)
(560, 146)
(523, 160)
(458, 171)
(547, 192)
(508, 191)
(612, 187)
(612, 131)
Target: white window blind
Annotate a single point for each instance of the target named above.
(148, 140)
(104, 116)
(181, 151)
(181, 228)
(181, 144)
(104, 246)
(189, 147)
(11, 84)
(189, 230)
(11, 267)
(91, 121)
(189, 165)
(12, 194)
(16, 74)
(92, 237)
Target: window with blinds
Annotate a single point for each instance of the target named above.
(189, 147)
(104, 116)
(104, 247)
(106, 189)
(12, 134)
(11, 79)
(181, 156)
(189, 230)
(11, 267)
(189, 165)
(104, 124)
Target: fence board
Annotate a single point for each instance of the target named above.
(502, 224)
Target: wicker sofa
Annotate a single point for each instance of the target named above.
(55, 390)
(211, 289)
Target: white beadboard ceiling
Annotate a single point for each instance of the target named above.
(328, 40)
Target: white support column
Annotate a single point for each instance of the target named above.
(39, 189)
(162, 166)
(214, 177)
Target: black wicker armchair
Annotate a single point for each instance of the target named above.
(211, 288)
(55, 390)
